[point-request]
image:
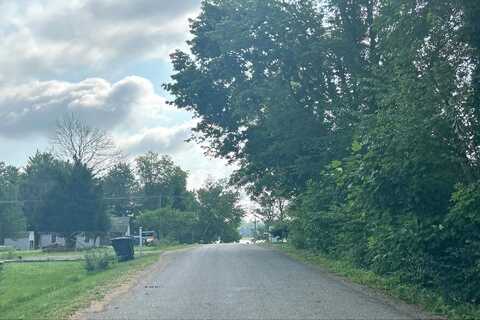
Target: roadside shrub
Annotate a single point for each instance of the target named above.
(280, 230)
(98, 260)
(458, 253)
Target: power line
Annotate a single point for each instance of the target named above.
(130, 197)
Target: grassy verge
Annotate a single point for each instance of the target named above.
(54, 290)
(15, 255)
(429, 300)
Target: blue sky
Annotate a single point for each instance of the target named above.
(104, 60)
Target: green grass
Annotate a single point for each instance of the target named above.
(429, 300)
(15, 255)
(162, 247)
(54, 290)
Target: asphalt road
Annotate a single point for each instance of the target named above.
(241, 281)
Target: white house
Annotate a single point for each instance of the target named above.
(50, 239)
(84, 241)
(22, 241)
(29, 240)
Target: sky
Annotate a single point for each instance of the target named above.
(105, 61)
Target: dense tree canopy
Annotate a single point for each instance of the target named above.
(363, 115)
(163, 183)
(53, 195)
(75, 204)
(219, 213)
(215, 215)
(41, 176)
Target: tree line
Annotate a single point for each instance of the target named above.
(354, 122)
(84, 182)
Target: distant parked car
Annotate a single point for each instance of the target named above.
(148, 238)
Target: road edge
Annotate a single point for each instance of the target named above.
(124, 284)
(414, 311)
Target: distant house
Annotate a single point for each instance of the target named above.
(85, 241)
(29, 240)
(48, 239)
(21, 241)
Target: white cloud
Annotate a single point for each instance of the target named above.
(188, 155)
(52, 39)
(49, 46)
(201, 167)
(164, 140)
(137, 117)
(34, 108)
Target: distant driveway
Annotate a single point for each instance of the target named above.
(241, 281)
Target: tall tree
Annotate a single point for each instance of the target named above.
(12, 219)
(76, 204)
(260, 82)
(170, 224)
(74, 140)
(120, 187)
(41, 175)
(219, 213)
(364, 113)
(163, 183)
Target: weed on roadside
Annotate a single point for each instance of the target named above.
(98, 260)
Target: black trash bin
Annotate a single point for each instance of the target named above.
(123, 247)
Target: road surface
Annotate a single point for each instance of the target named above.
(240, 281)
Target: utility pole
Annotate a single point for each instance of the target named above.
(255, 228)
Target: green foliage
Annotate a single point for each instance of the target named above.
(163, 183)
(280, 230)
(118, 186)
(216, 215)
(62, 197)
(98, 259)
(75, 204)
(255, 81)
(43, 173)
(170, 224)
(459, 238)
(230, 234)
(219, 214)
(363, 115)
(12, 219)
